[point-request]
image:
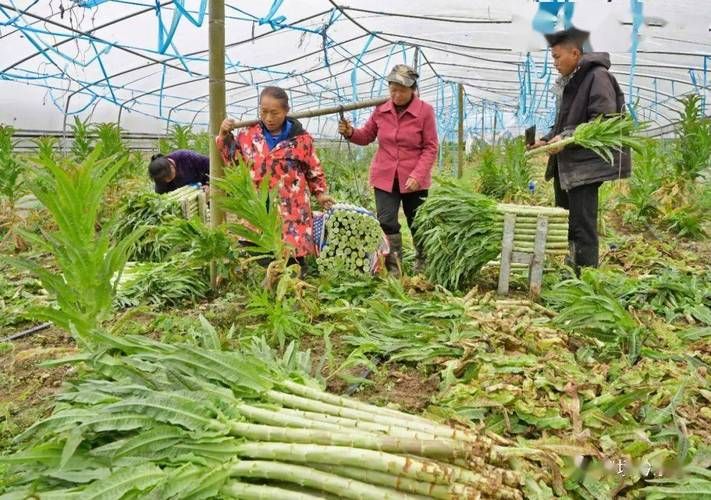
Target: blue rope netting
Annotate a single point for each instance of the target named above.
(76, 81)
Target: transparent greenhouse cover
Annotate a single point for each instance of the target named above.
(145, 63)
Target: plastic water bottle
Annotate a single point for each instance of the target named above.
(532, 186)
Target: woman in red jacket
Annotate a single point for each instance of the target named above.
(280, 146)
(401, 171)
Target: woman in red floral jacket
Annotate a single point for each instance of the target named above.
(280, 146)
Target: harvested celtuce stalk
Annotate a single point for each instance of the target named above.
(216, 421)
(603, 135)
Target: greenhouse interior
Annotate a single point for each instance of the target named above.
(473, 237)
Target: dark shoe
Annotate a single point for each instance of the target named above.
(420, 263)
(392, 259)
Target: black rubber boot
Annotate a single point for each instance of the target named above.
(420, 263)
(393, 259)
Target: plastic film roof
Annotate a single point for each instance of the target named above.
(145, 63)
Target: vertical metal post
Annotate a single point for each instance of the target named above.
(493, 133)
(460, 142)
(216, 40)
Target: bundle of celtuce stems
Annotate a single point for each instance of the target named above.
(156, 420)
(526, 226)
(352, 239)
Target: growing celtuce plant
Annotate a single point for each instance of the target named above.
(81, 143)
(11, 187)
(85, 259)
(692, 148)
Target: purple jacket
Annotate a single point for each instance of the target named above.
(190, 168)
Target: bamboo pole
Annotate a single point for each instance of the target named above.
(460, 143)
(216, 40)
(330, 110)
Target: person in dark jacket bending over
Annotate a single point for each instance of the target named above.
(585, 90)
(177, 169)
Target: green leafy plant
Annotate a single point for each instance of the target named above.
(12, 184)
(109, 137)
(179, 137)
(85, 260)
(503, 169)
(257, 211)
(649, 172)
(10, 167)
(692, 148)
(278, 320)
(46, 148)
(82, 143)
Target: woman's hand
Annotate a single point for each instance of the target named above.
(412, 185)
(345, 128)
(228, 125)
(325, 201)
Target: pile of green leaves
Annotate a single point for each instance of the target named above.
(554, 399)
(149, 212)
(400, 326)
(459, 233)
(588, 308)
(17, 294)
(176, 281)
(672, 294)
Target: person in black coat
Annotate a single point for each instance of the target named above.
(585, 90)
(177, 169)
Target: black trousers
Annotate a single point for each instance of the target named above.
(387, 206)
(581, 202)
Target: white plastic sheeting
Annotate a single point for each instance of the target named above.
(145, 62)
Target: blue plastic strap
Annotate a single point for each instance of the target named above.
(354, 73)
(546, 19)
(636, 6)
(275, 22)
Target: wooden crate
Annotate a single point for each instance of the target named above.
(527, 242)
(193, 201)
